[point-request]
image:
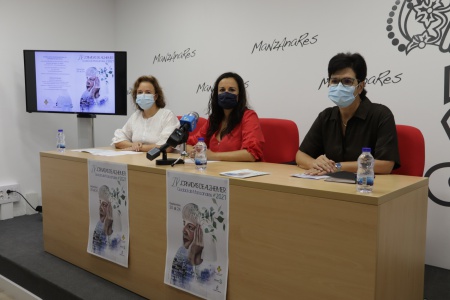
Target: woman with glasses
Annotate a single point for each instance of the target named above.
(337, 136)
(232, 132)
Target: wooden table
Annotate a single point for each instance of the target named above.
(289, 238)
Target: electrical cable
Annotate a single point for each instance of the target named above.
(38, 208)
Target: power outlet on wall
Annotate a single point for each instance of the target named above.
(12, 197)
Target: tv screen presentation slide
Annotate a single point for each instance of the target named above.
(77, 82)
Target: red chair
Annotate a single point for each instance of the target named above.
(200, 122)
(411, 146)
(281, 140)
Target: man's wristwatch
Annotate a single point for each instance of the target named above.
(338, 166)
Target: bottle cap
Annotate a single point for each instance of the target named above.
(60, 130)
(200, 139)
(366, 149)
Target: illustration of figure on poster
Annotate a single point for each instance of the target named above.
(92, 98)
(195, 263)
(107, 233)
(108, 211)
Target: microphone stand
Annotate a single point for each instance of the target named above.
(178, 137)
(183, 154)
(168, 161)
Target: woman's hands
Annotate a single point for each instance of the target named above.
(136, 146)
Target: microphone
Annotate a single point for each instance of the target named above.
(180, 135)
(189, 121)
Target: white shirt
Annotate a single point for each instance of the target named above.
(154, 130)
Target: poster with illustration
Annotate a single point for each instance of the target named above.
(108, 211)
(197, 234)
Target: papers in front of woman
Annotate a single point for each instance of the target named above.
(341, 176)
(303, 175)
(105, 152)
(244, 173)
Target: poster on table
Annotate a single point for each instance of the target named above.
(108, 211)
(197, 234)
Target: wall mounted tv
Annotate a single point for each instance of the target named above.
(77, 82)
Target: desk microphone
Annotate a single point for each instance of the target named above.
(180, 135)
(189, 122)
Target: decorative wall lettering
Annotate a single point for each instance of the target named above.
(277, 45)
(172, 57)
(382, 79)
(204, 87)
(446, 125)
(428, 174)
(447, 85)
(420, 23)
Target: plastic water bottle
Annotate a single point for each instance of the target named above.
(200, 154)
(60, 141)
(365, 175)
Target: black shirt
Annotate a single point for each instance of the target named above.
(372, 125)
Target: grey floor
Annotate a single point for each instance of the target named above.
(24, 261)
(437, 283)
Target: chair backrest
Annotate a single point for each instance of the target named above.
(281, 140)
(411, 146)
(200, 122)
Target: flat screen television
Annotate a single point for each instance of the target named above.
(77, 82)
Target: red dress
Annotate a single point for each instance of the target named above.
(246, 135)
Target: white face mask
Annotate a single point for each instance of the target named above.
(145, 101)
(341, 95)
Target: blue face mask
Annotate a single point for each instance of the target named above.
(227, 100)
(341, 95)
(145, 101)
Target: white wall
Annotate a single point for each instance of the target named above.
(45, 24)
(281, 84)
(285, 83)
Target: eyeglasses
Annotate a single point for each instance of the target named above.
(345, 81)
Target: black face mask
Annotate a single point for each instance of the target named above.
(227, 100)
